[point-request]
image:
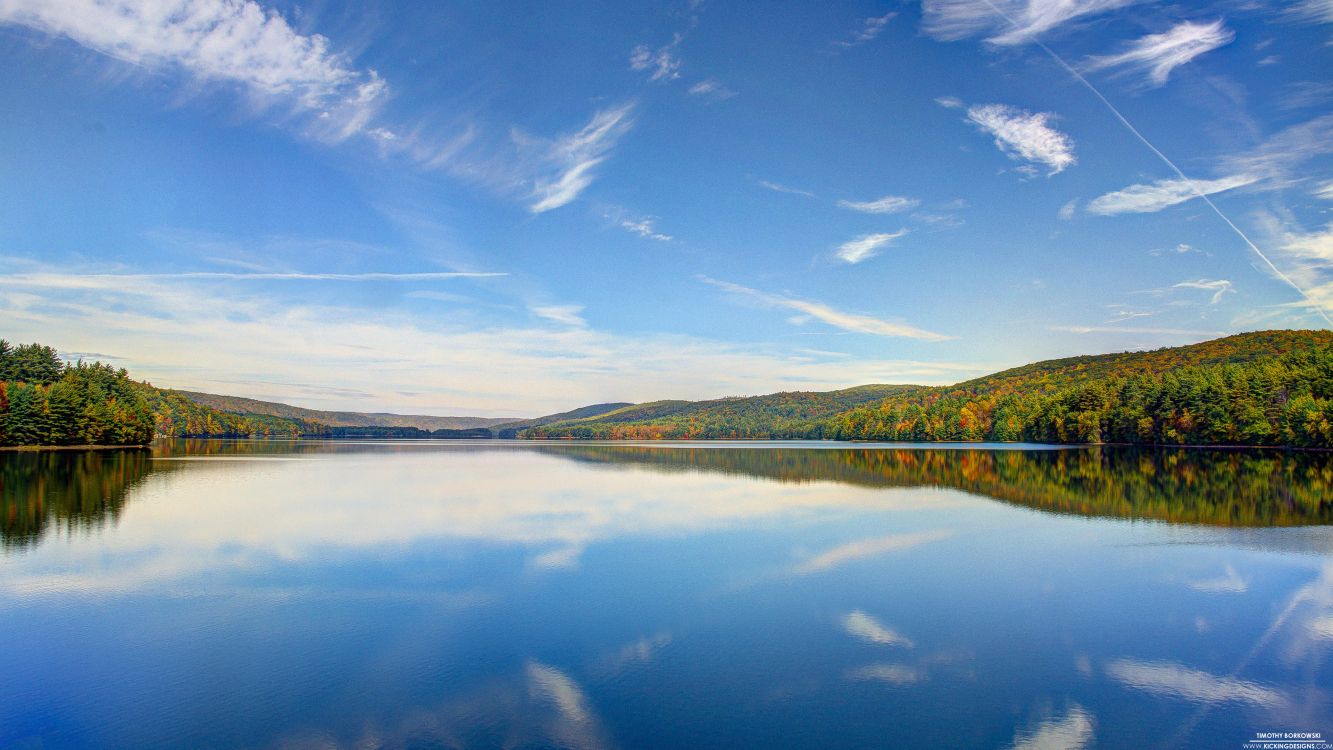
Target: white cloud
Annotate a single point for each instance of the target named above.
(1307, 258)
(1324, 191)
(869, 29)
(566, 314)
(1218, 287)
(863, 548)
(889, 204)
(711, 88)
(1276, 159)
(1072, 732)
(1068, 209)
(836, 318)
(888, 672)
(867, 246)
(1159, 54)
(571, 159)
(1181, 249)
(1231, 583)
(112, 280)
(264, 340)
(1007, 22)
(1142, 199)
(556, 686)
(220, 41)
(1024, 135)
(644, 228)
(863, 626)
(1161, 678)
(1315, 11)
(1126, 329)
(663, 62)
(949, 102)
(780, 188)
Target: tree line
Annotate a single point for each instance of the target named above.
(45, 400)
(1271, 400)
(1272, 388)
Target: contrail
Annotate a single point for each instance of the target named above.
(1167, 161)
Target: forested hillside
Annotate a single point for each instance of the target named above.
(255, 407)
(46, 401)
(178, 415)
(775, 415)
(1262, 388)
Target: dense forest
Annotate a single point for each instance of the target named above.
(47, 401)
(797, 414)
(1264, 388)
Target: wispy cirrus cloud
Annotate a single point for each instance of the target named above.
(644, 228)
(711, 88)
(565, 314)
(778, 187)
(866, 246)
(1159, 54)
(889, 204)
(1279, 159)
(1313, 11)
(861, 625)
(1151, 198)
(1073, 731)
(869, 29)
(661, 64)
(1307, 257)
(1218, 287)
(1164, 678)
(1231, 583)
(1007, 22)
(410, 354)
(863, 548)
(222, 42)
(899, 675)
(1185, 332)
(1025, 136)
(846, 321)
(570, 160)
(112, 280)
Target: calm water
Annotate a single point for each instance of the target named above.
(418, 595)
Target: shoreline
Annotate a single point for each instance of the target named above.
(40, 448)
(826, 441)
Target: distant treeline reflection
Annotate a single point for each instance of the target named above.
(66, 490)
(1224, 488)
(72, 491)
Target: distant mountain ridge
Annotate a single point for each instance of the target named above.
(241, 405)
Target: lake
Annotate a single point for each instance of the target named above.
(706, 595)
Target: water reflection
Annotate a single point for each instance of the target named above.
(1220, 487)
(1073, 731)
(84, 490)
(66, 490)
(392, 595)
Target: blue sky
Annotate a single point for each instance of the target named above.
(509, 209)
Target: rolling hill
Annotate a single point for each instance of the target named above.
(249, 406)
(1260, 388)
(771, 415)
